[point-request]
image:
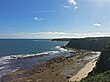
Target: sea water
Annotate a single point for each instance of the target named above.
(18, 54)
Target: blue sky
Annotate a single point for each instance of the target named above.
(54, 18)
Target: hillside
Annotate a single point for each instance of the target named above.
(103, 63)
(61, 39)
(101, 72)
(101, 77)
(95, 44)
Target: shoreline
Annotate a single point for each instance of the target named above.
(84, 71)
(58, 69)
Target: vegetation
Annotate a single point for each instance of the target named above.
(101, 73)
(61, 39)
(95, 44)
(103, 63)
(101, 77)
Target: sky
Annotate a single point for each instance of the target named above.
(54, 18)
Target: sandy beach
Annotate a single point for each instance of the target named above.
(84, 71)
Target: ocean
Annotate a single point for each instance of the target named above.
(18, 54)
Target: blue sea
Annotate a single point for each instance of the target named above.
(18, 54)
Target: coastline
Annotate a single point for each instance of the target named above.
(58, 69)
(84, 71)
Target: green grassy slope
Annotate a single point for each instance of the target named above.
(101, 77)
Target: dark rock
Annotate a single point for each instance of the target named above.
(68, 76)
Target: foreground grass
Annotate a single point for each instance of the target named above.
(101, 77)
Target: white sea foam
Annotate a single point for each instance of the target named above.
(65, 50)
(15, 70)
(6, 59)
(2, 67)
(61, 49)
(4, 72)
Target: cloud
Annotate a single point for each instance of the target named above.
(48, 33)
(97, 24)
(75, 8)
(41, 18)
(72, 2)
(66, 6)
(35, 18)
(38, 19)
(53, 35)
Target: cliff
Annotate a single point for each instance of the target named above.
(61, 39)
(101, 72)
(103, 63)
(95, 44)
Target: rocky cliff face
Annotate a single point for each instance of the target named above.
(103, 64)
(101, 73)
(95, 44)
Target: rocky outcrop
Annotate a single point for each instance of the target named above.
(103, 64)
(101, 72)
(95, 44)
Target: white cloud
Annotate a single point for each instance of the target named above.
(66, 6)
(75, 8)
(97, 24)
(72, 2)
(35, 18)
(38, 19)
(48, 33)
(53, 35)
